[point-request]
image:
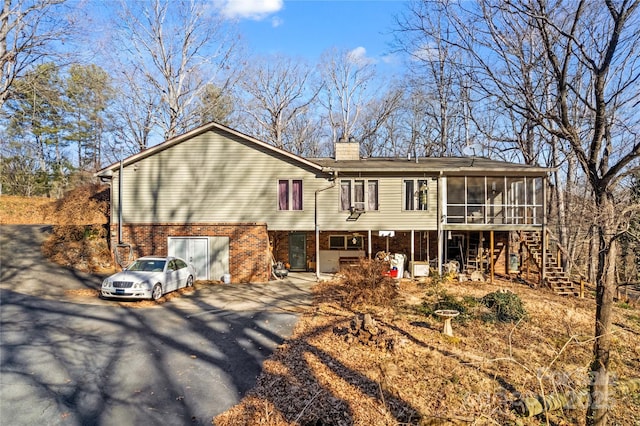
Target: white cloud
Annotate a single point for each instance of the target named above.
(391, 59)
(249, 9)
(276, 21)
(427, 52)
(359, 56)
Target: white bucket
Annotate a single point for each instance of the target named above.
(226, 278)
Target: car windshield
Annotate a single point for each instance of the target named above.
(155, 265)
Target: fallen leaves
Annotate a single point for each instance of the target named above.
(317, 377)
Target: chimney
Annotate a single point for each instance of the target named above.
(347, 151)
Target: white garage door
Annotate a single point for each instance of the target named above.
(209, 255)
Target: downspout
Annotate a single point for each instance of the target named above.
(315, 219)
(439, 223)
(120, 204)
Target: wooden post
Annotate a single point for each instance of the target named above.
(491, 251)
(543, 258)
(481, 253)
(581, 288)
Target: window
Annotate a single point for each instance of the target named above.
(416, 194)
(372, 195)
(345, 195)
(346, 242)
(476, 199)
(494, 200)
(358, 194)
(289, 194)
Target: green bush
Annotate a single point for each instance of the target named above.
(446, 301)
(507, 306)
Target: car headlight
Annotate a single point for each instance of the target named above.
(105, 283)
(141, 284)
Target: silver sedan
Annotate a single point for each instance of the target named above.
(149, 277)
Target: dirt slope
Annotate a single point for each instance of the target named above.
(80, 225)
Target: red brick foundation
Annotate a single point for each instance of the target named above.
(249, 259)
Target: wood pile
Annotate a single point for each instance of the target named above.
(363, 329)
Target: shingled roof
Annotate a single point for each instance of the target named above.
(429, 165)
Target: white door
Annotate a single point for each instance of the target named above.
(194, 250)
(219, 257)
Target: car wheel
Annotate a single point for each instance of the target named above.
(190, 281)
(156, 293)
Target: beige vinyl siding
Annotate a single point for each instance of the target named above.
(389, 216)
(215, 179)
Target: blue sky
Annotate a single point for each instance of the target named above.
(306, 28)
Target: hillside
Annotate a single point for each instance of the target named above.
(419, 376)
(79, 225)
(85, 205)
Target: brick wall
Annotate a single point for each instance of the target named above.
(248, 244)
(400, 243)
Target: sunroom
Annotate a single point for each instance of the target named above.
(484, 216)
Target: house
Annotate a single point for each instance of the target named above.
(232, 204)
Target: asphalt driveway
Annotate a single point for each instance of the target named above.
(80, 360)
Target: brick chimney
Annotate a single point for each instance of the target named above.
(347, 150)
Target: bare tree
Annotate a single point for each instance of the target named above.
(280, 90)
(579, 83)
(436, 80)
(373, 123)
(603, 142)
(28, 31)
(135, 116)
(170, 52)
(346, 76)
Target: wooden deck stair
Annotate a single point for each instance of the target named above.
(555, 276)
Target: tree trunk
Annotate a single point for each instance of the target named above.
(599, 387)
(592, 263)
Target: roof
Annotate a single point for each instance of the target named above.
(429, 165)
(425, 165)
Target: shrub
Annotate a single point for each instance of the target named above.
(507, 306)
(367, 283)
(446, 301)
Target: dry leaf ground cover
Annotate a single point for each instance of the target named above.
(90, 292)
(318, 377)
(424, 377)
(78, 225)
